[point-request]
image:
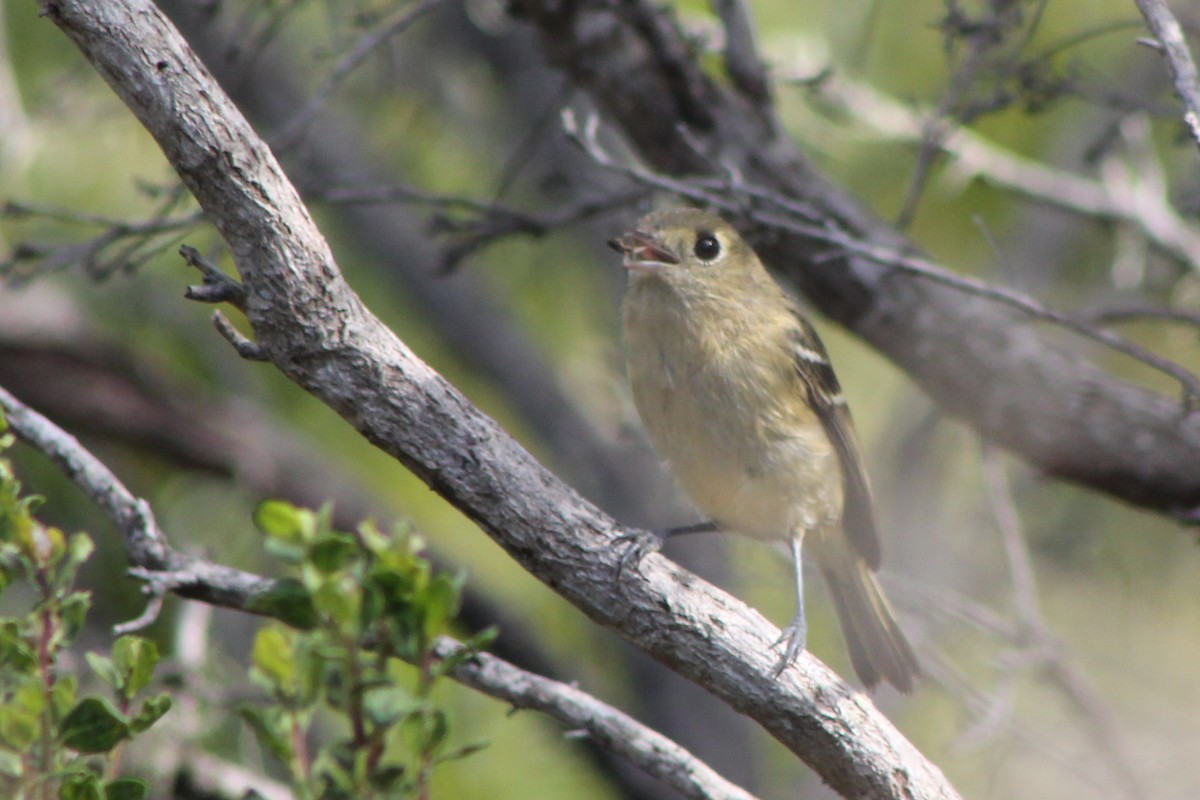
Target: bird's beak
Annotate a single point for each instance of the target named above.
(642, 251)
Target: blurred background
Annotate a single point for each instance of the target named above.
(1060, 629)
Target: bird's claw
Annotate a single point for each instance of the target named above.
(794, 639)
(634, 547)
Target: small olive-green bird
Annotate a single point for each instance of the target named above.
(737, 394)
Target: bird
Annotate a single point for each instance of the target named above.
(737, 395)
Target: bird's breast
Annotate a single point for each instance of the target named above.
(723, 406)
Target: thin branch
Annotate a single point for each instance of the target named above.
(485, 222)
(742, 59)
(1039, 646)
(392, 25)
(1108, 316)
(91, 253)
(1118, 197)
(1179, 58)
(1020, 566)
(145, 545)
(607, 726)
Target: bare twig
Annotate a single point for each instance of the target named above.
(217, 286)
(1038, 645)
(1119, 197)
(1179, 58)
(92, 253)
(398, 21)
(607, 726)
(1108, 316)
(240, 343)
(479, 223)
(145, 545)
(742, 60)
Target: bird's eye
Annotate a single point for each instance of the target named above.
(707, 246)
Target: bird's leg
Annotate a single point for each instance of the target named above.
(639, 544)
(795, 635)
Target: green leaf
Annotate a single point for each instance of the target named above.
(332, 552)
(426, 731)
(385, 777)
(126, 789)
(375, 541)
(287, 601)
(11, 763)
(135, 659)
(287, 552)
(268, 733)
(15, 653)
(81, 786)
(105, 669)
(79, 549)
(441, 604)
(439, 728)
(285, 522)
(387, 705)
(152, 711)
(73, 612)
(273, 655)
(63, 694)
(19, 727)
(29, 693)
(338, 600)
(93, 726)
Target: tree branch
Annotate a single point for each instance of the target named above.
(316, 330)
(653, 752)
(1183, 68)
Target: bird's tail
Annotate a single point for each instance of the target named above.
(877, 646)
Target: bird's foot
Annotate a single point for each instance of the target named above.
(793, 639)
(641, 543)
(635, 546)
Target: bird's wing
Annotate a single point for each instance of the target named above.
(825, 395)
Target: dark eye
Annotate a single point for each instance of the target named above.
(707, 246)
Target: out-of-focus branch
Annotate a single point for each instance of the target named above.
(1117, 196)
(1038, 645)
(742, 60)
(389, 27)
(319, 334)
(1179, 58)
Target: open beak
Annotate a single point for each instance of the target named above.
(642, 251)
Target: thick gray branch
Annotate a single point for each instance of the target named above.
(316, 330)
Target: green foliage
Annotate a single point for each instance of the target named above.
(359, 604)
(51, 739)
